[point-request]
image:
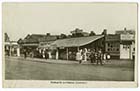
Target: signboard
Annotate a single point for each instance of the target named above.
(127, 37)
(62, 47)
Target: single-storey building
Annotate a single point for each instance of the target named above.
(67, 48)
(31, 42)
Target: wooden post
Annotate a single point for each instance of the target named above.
(78, 48)
(10, 51)
(18, 51)
(67, 51)
(57, 54)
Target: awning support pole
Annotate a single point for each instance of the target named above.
(78, 48)
(67, 53)
(57, 54)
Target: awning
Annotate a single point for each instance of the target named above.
(76, 42)
(29, 44)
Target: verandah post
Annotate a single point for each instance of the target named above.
(67, 52)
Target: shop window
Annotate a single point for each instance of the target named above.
(133, 49)
(108, 44)
(108, 49)
(117, 49)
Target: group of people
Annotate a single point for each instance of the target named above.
(94, 56)
(37, 53)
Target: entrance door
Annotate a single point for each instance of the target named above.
(124, 51)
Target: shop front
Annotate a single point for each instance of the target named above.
(67, 48)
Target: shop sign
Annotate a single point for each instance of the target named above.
(127, 37)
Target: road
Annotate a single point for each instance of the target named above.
(24, 69)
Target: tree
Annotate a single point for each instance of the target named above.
(7, 39)
(92, 33)
(77, 33)
(104, 32)
(62, 36)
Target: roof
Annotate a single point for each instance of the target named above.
(48, 38)
(112, 37)
(75, 42)
(36, 38)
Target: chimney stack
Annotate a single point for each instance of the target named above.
(48, 34)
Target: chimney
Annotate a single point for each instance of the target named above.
(105, 31)
(125, 29)
(48, 34)
(125, 32)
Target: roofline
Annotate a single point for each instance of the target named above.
(101, 36)
(79, 37)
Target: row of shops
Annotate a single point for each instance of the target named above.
(118, 46)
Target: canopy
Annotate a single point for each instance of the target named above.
(76, 42)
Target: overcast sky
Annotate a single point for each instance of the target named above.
(20, 19)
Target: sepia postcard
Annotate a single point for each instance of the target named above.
(69, 45)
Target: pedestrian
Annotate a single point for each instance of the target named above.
(43, 53)
(96, 56)
(25, 53)
(99, 57)
(85, 54)
(46, 54)
(79, 56)
(92, 56)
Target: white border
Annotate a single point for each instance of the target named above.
(62, 1)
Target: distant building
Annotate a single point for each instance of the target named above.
(127, 44)
(31, 42)
(11, 48)
(125, 31)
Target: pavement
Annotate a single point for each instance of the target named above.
(119, 62)
(46, 60)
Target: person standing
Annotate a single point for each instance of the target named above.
(85, 54)
(46, 54)
(92, 56)
(25, 54)
(79, 57)
(99, 58)
(43, 53)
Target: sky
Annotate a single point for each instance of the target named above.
(20, 19)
